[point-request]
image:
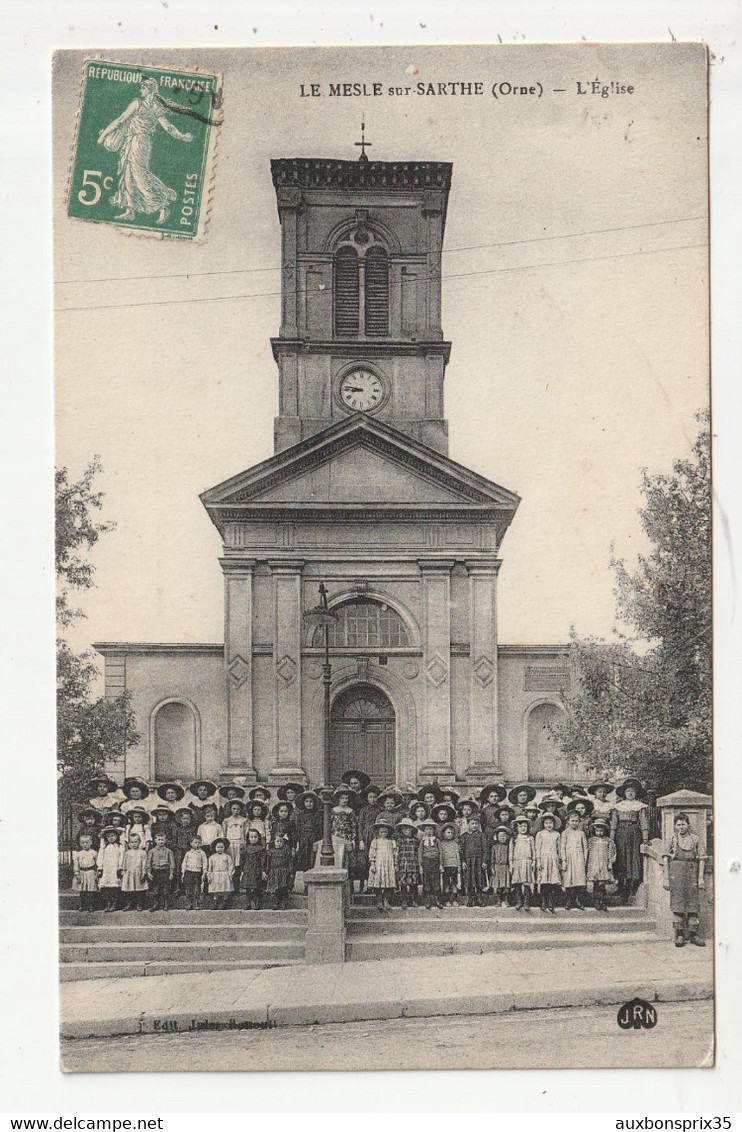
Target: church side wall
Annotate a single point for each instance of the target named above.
(197, 680)
(527, 678)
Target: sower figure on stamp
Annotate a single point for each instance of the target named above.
(684, 867)
(130, 135)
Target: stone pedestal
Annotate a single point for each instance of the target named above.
(327, 890)
(696, 806)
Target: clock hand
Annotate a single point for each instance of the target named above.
(354, 389)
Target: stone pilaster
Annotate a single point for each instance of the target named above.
(238, 619)
(287, 640)
(436, 594)
(483, 721)
(289, 201)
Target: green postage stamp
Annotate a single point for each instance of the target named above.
(145, 146)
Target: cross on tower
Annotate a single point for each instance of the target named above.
(363, 143)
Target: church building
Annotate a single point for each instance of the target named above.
(362, 496)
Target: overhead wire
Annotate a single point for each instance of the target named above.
(446, 251)
(444, 278)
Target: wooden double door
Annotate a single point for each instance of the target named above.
(363, 735)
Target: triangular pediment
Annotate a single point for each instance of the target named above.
(360, 474)
(358, 462)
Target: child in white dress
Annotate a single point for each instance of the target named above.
(601, 853)
(219, 873)
(234, 825)
(548, 872)
(84, 873)
(209, 829)
(573, 854)
(522, 862)
(382, 864)
(109, 862)
(134, 875)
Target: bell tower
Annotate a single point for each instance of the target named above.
(360, 327)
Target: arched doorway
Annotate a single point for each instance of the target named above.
(362, 734)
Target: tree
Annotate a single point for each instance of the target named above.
(642, 702)
(91, 732)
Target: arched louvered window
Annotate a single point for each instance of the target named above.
(347, 293)
(377, 293)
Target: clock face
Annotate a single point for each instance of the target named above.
(361, 390)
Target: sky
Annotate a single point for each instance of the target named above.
(574, 293)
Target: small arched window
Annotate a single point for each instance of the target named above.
(365, 624)
(377, 293)
(175, 742)
(347, 294)
(546, 762)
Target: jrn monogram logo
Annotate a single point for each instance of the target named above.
(637, 1015)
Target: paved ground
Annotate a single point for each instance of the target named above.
(491, 983)
(574, 1037)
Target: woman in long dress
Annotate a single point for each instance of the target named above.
(629, 830)
(130, 135)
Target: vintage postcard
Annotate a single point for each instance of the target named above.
(383, 552)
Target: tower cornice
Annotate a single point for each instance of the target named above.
(361, 347)
(323, 173)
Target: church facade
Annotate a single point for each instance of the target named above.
(362, 496)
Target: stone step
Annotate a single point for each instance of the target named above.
(71, 972)
(182, 933)
(418, 945)
(189, 952)
(70, 901)
(369, 909)
(229, 917)
(538, 923)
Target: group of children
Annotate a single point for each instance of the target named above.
(510, 850)
(142, 846)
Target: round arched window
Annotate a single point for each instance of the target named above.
(175, 742)
(365, 624)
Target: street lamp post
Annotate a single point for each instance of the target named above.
(320, 615)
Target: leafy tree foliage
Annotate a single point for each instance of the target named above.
(92, 732)
(642, 702)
